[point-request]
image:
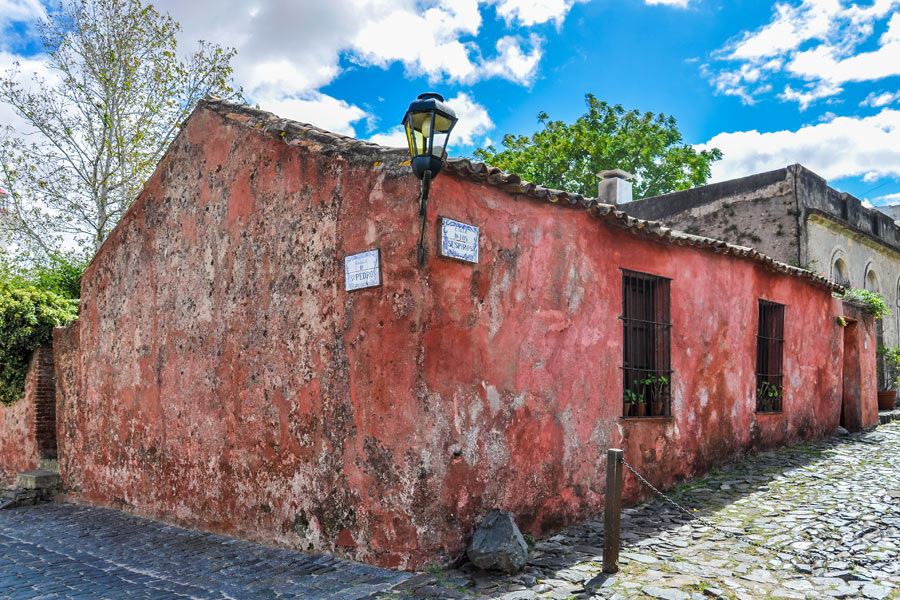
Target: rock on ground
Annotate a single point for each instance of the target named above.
(498, 544)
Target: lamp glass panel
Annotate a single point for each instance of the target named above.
(421, 129)
(440, 142)
(442, 124)
(410, 138)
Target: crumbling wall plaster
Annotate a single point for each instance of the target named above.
(220, 377)
(28, 426)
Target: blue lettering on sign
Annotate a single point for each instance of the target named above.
(459, 240)
(362, 270)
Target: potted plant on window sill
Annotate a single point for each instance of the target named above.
(768, 397)
(635, 402)
(887, 397)
(657, 385)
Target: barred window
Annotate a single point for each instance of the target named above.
(646, 327)
(769, 353)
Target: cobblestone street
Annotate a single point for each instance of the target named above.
(67, 551)
(820, 520)
(829, 511)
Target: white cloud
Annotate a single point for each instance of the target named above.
(18, 11)
(841, 147)
(296, 47)
(886, 199)
(25, 69)
(395, 138)
(512, 63)
(814, 42)
(473, 123)
(879, 100)
(533, 12)
(813, 91)
(288, 51)
(316, 109)
(676, 3)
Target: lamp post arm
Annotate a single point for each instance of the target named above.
(423, 198)
(423, 212)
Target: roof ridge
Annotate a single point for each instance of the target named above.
(290, 130)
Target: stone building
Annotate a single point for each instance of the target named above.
(258, 351)
(793, 215)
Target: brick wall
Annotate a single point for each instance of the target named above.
(28, 427)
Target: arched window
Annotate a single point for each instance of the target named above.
(872, 283)
(840, 274)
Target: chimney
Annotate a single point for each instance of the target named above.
(614, 187)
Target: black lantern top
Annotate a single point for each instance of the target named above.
(428, 122)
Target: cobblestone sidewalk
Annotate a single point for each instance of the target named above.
(830, 510)
(67, 551)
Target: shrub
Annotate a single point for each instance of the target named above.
(871, 302)
(27, 318)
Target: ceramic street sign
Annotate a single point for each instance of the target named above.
(362, 270)
(459, 240)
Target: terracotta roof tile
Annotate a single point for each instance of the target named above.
(293, 132)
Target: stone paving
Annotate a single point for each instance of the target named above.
(828, 511)
(67, 551)
(819, 520)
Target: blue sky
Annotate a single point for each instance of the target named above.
(771, 84)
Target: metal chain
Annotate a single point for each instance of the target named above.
(730, 534)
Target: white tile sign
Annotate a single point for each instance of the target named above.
(459, 240)
(362, 270)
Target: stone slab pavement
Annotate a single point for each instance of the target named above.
(68, 551)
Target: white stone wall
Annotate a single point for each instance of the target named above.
(870, 265)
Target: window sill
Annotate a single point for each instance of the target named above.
(770, 412)
(669, 418)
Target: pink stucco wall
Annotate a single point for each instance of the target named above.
(220, 377)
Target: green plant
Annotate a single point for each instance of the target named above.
(55, 272)
(768, 396)
(656, 385)
(873, 303)
(842, 321)
(27, 318)
(891, 364)
(632, 398)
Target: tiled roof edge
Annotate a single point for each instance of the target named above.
(290, 130)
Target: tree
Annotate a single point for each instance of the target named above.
(568, 157)
(113, 99)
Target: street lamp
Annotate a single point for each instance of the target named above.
(428, 122)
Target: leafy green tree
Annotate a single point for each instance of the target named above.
(569, 156)
(59, 273)
(100, 120)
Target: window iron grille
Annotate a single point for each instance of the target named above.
(646, 348)
(769, 358)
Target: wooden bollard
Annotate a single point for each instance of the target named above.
(612, 515)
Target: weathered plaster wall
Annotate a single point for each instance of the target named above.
(28, 426)
(828, 241)
(860, 390)
(220, 377)
(759, 211)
